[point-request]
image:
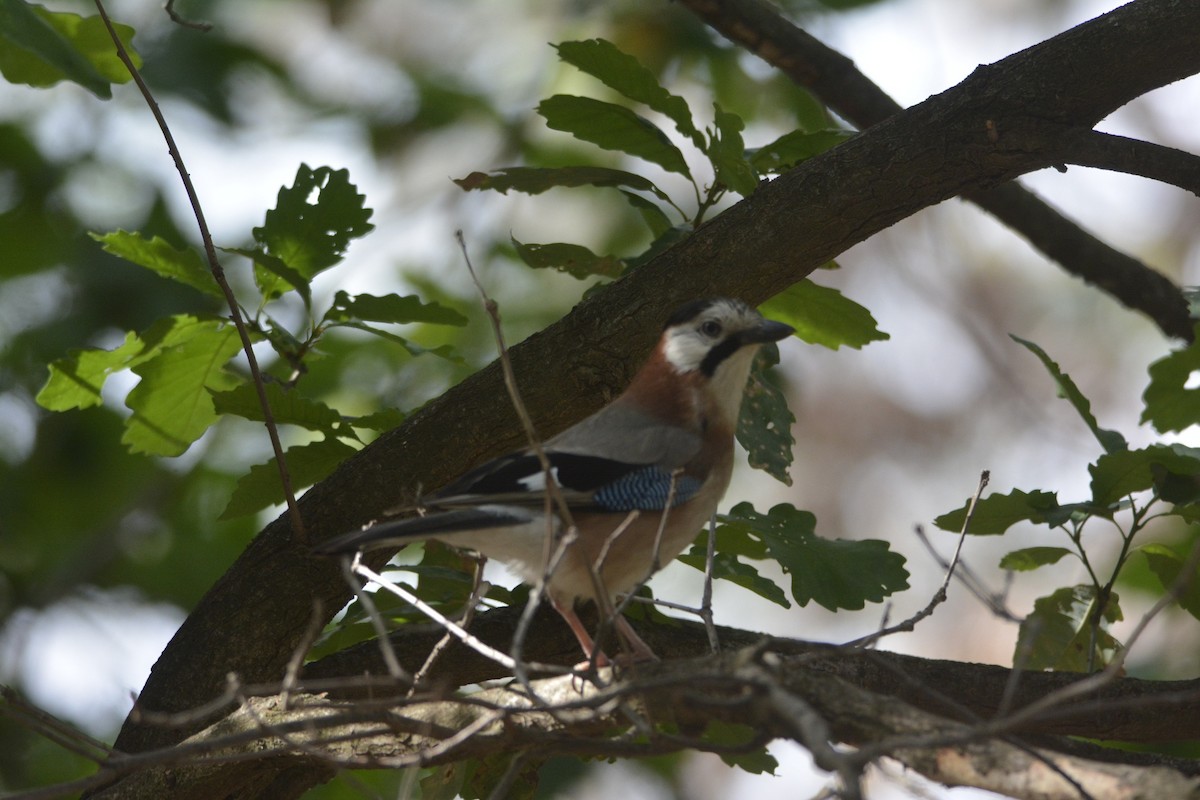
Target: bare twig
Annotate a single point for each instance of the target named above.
(476, 644)
(939, 596)
(352, 566)
(478, 589)
(706, 597)
(292, 674)
(203, 27)
(298, 531)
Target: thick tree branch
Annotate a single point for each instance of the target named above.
(251, 620)
(758, 27)
(768, 690)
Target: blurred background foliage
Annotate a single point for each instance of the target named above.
(102, 553)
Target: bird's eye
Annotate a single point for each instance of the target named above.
(711, 329)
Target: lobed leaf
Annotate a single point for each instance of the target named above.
(823, 316)
(573, 259)
(535, 180)
(623, 73)
(1169, 404)
(288, 407)
(612, 127)
(996, 513)
(792, 148)
(835, 573)
(1120, 474)
(1030, 558)
(1060, 635)
(765, 421)
(184, 265)
(728, 567)
(39, 48)
(1111, 441)
(272, 276)
(727, 152)
(1166, 564)
(76, 380)
(314, 220)
(171, 404)
(391, 308)
(307, 463)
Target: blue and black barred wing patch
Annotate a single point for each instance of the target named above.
(646, 489)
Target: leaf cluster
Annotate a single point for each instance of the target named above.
(1069, 629)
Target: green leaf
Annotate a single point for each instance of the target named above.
(383, 420)
(835, 573)
(171, 405)
(157, 255)
(307, 464)
(391, 308)
(792, 148)
(619, 71)
(765, 421)
(1120, 474)
(76, 380)
(996, 513)
(823, 316)
(655, 218)
(728, 567)
(573, 259)
(314, 220)
(733, 734)
(1170, 405)
(612, 127)
(442, 351)
(1032, 557)
(272, 276)
(288, 407)
(1111, 441)
(1166, 565)
(1060, 634)
(535, 180)
(40, 48)
(727, 152)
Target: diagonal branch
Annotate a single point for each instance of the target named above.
(832, 77)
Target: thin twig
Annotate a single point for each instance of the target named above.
(350, 568)
(478, 589)
(474, 642)
(292, 674)
(706, 597)
(298, 531)
(203, 27)
(939, 596)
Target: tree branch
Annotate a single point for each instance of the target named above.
(759, 28)
(1133, 157)
(770, 691)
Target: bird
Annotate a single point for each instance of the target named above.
(640, 478)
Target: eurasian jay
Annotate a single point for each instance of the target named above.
(640, 477)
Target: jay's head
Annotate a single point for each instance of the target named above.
(704, 334)
(712, 342)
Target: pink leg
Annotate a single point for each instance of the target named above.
(567, 612)
(639, 649)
